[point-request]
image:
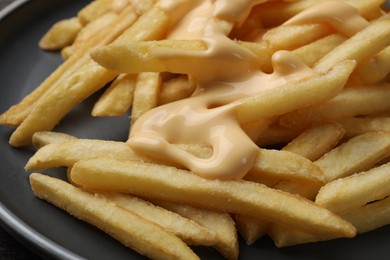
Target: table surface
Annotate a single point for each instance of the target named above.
(10, 248)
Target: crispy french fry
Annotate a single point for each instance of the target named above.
(118, 98)
(359, 125)
(144, 236)
(219, 222)
(268, 169)
(294, 95)
(232, 196)
(40, 139)
(352, 156)
(175, 89)
(97, 8)
(61, 34)
(316, 141)
(348, 103)
(370, 217)
(251, 228)
(82, 39)
(17, 113)
(188, 230)
(358, 47)
(146, 92)
(355, 191)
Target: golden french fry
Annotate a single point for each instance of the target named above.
(358, 47)
(118, 98)
(61, 34)
(355, 191)
(267, 168)
(232, 196)
(350, 102)
(352, 156)
(188, 230)
(219, 222)
(146, 92)
(359, 125)
(276, 136)
(313, 52)
(143, 236)
(251, 228)
(87, 32)
(294, 95)
(40, 139)
(175, 89)
(17, 113)
(316, 141)
(369, 217)
(97, 8)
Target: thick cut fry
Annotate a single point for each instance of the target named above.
(146, 93)
(363, 45)
(360, 125)
(61, 34)
(375, 70)
(130, 229)
(189, 231)
(371, 216)
(352, 156)
(251, 228)
(355, 191)
(294, 95)
(267, 168)
(219, 222)
(242, 197)
(316, 141)
(118, 98)
(41, 139)
(175, 89)
(350, 102)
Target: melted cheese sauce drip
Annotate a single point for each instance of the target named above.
(225, 73)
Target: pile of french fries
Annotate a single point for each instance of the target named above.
(322, 168)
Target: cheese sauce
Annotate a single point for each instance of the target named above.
(225, 73)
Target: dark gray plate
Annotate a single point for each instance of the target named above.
(49, 231)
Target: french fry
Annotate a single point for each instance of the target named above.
(61, 34)
(40, 139)
(359, 125)
(357, 47)
(348, 103)
(251, 228)
(232, 196)
(314, 51)
(145, 237)
(89, 31)
(267, 168)
(146, 92)
(17, 113)
(351, 156)
(294, 95)
(219, 222)
(316, 141)
(118, 98)
(98, 8)
(355, 191)
(370, 217)
(375, 70)
(175, 89)
(188, 230)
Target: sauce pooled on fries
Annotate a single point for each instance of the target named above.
(225, 73)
